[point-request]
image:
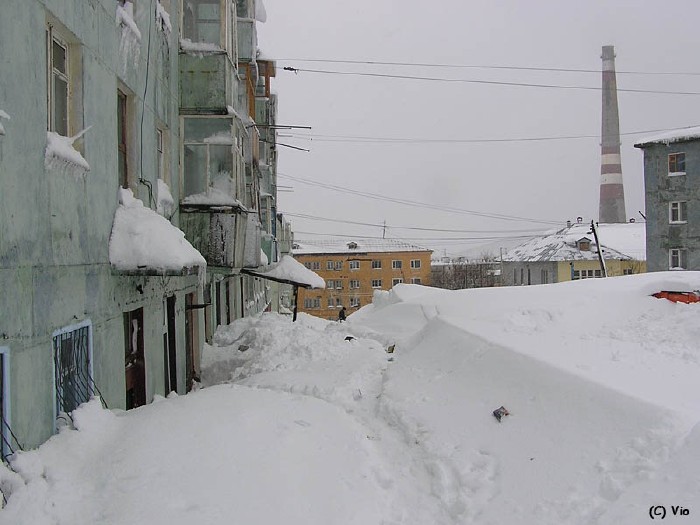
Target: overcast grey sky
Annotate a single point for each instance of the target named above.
(549, 180)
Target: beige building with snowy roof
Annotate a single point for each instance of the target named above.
(353, 270)
(571, 254)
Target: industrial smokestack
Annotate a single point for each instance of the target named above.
(612, 194)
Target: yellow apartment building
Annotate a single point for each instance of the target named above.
(353, 270)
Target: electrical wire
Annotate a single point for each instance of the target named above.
(412, 203)
(485, 82)
(481, 66)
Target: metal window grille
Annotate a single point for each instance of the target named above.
(74, 385)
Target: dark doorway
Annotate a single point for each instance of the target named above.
(134, 361)
(170, 346)
(191, 339)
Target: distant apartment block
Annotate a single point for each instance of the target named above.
(354, 270)
(672, 196)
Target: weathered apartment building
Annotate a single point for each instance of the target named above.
(353, 270)
(122, 125)
(672, 197)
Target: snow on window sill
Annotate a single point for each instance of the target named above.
(200, 48)
(676, 173)
(62, 156)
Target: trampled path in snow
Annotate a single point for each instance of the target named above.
(314, 422)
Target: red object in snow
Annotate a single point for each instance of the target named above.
(679, 297)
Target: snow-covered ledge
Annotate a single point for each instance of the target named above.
(199, 48)
(62, 156)
(144, 242)
(5, 116)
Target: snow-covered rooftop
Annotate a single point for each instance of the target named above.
(142, 240)
(360, 245)
(669, 137)
(622, 241)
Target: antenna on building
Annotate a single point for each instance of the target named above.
(612, 193)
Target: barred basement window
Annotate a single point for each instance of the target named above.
(72, 355)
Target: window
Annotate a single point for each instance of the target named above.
(676, 164)
(307, 265)
(677, 259)
(330, 302)
(354, 302)
(122, 139)
(201, 21)
(338, 285)
(416, 280)
(60, 87)
(396, 265)
(544, 276)
(677, 212)
(310, 304)
(415, 264)
(330, 284)
(316, 265)
(329, 265)
(587, 274)
(376, 264)
(376, 283)
(354, 284)
(72, 355)
(338, 265)
(396, 281)
(354, 265)
(338, 302)
(627, 271)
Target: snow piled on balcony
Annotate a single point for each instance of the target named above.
(199, 48)
(220, 193)
(143, 240)
(289, 269)
(5, 116)
(62, 157)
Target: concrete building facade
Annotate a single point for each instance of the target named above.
(672, 197)
(354, 270)
(157, 97)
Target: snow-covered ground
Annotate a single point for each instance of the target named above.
(315, 423)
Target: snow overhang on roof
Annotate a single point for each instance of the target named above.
(670, 137)
(145, 243)
(288, 271)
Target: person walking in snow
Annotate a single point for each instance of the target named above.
(341, 315)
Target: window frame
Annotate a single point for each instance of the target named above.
(396, 280)
(682, 255)
(354, 284)
(376, 283)
(677, 159)
(329, 265)
(682, 212)
(354, 265)
(415, 264)
(55, 36)
(416, 280)
(376, 264)
(397, 264)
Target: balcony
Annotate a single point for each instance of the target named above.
(213, 233)
(206, 84)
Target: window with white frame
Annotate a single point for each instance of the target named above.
(316, 265)
(202, 21)
(354, 284)
(678, 212)
(354, 265)
(396, 281)
(627, 271)
(338, 302)
(61, 80)
(376, 283)
(376, 264)
(396, 264)
(330, 284)
(415, 264)
(330, 302)
(338, 265)
(416, 280)
(677, 258)
(354, 302)
(338, 284)
(329, 265)
(676, 164)
(312, 303)
(307, 265)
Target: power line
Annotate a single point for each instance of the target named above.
(482, 66)
(415, 228)
(314, 137)
(486, 82)
(406, 239)
(408, 202)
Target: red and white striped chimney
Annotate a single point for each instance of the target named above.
(612, 194)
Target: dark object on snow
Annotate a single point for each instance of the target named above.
(243, 348)
(390, 350)
(500, 412)
(341, 314)
(349, 338)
